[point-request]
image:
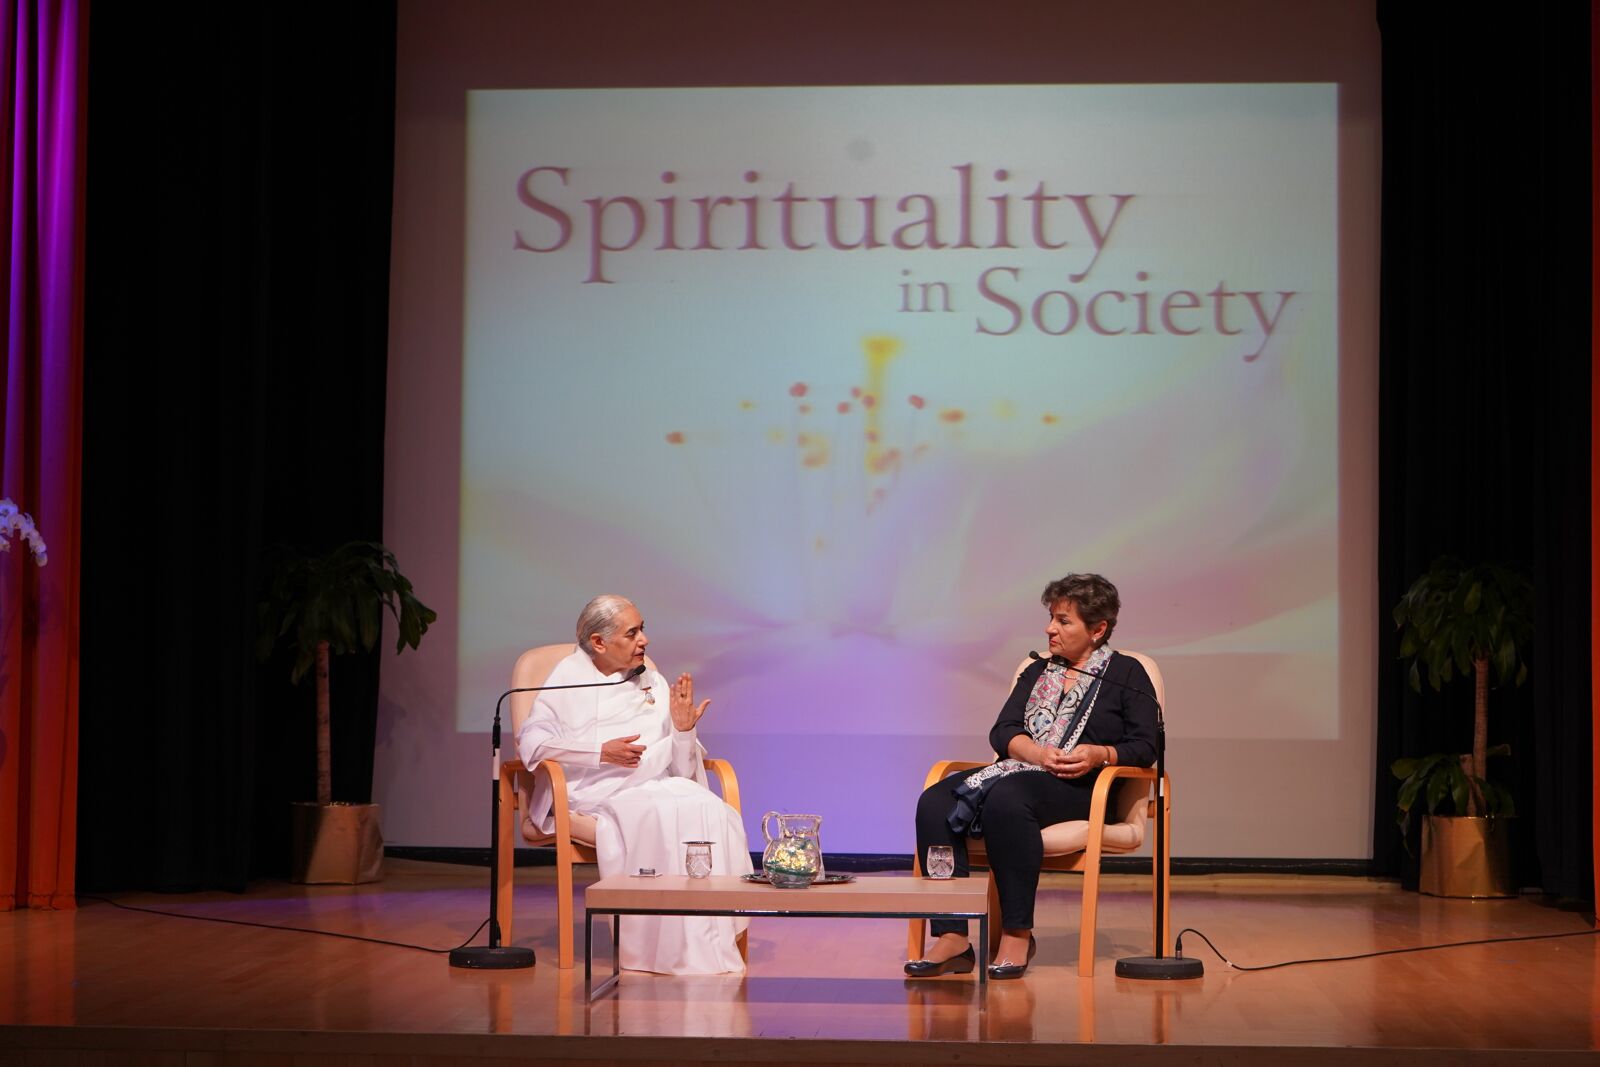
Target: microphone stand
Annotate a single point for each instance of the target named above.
(1160, 966)
(495, 956)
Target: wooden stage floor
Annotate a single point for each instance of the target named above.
(102, 985)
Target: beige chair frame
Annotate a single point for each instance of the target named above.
(1080, 845)
(516, 787)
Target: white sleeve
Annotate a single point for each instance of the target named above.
(686, 754)
(540, 739)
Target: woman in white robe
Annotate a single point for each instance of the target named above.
(633, 762)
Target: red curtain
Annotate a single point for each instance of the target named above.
(42, 44)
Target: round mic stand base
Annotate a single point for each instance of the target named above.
(1159, 967)
(492, 958)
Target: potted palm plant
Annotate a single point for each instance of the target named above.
(318, 607)
(1467, 620)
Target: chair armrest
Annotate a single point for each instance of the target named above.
(946, 767)
(509, 800)
(508, 791)
(1107, 779)
(558, 779)
(558, 798)
(728, 781)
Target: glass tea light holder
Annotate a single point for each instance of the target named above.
(697, 858)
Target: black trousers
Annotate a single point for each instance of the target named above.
(1017, 807)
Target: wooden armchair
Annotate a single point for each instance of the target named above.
(1119, 810)
(573, 838)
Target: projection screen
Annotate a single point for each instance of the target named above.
(831, 379)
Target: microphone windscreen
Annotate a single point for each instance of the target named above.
(635, 672)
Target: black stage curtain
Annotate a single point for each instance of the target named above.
(240, 163)
(1484, 390)
(240, 175)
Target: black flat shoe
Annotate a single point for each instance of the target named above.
(962, 964)
(1002, 972)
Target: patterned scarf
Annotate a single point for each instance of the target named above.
(1055, 717)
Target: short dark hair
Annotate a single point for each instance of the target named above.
(1095, 599)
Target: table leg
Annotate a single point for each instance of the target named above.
(983, 970)
(588, 955)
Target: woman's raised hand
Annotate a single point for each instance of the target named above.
(685, 713)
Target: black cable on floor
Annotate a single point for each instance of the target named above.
(291, 929)
(1178, 948)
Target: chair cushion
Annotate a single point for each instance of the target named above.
(1065, 838)
(582, 828)
(582, 831)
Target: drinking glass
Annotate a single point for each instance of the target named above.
(941, 861)
(697, 858)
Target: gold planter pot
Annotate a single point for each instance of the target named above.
(1466, 857)
(335, 843)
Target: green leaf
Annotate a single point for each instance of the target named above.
(1460, 792)
(1438, 762)
(1407, 798)
(302, 664)
(371, 617)
(1438, 789)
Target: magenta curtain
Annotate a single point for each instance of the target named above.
(42, 80)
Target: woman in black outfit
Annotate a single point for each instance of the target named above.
(1084, 708)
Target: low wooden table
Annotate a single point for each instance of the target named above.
(869, 898)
